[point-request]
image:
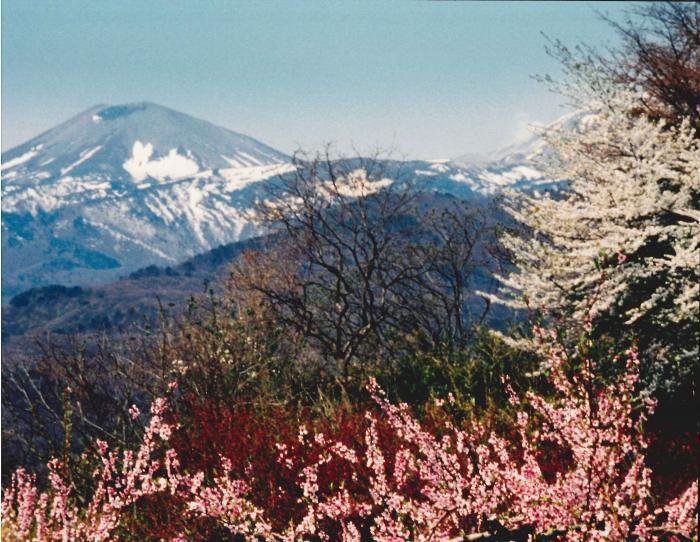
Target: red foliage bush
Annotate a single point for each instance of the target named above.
(252, 442)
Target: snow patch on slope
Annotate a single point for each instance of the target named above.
(171, 166)
(252, 161)
(232, 161)
(85, 155)
(21, 159)
(356, 185)
(240, 177)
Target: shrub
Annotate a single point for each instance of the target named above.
(388, 477)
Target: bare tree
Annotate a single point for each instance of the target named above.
(459, 250)
(661, 55)
(363, 259)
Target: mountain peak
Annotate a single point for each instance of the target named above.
(111, 112)
(106, 141)
(116, 111)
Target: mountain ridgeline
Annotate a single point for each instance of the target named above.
(118, 188)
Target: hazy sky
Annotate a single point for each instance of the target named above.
(428, 79)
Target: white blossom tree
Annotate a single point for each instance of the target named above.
(621, 246)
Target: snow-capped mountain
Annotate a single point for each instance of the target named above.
(117, 188)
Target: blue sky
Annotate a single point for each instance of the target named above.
(426, 79)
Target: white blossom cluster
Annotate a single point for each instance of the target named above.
(622, 245)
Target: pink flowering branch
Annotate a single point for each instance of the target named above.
(448, 483)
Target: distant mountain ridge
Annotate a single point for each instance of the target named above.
(118, 188)
(132, 303)
(119, 306)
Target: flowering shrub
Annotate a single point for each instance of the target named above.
(632, 203)
(120, 481)
(388, 477)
